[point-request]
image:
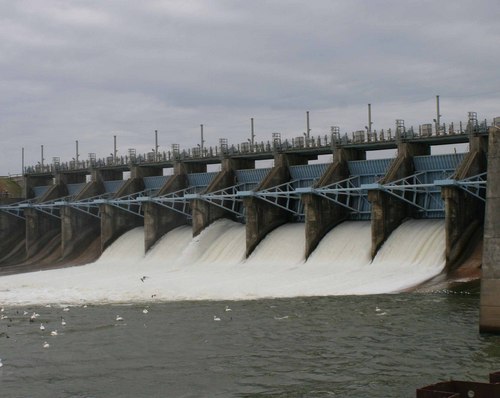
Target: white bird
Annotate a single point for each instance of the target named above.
(145, 311)
(1, 364)
(46, 345)
(377, 309)
(34, 315)
(3, 316)
(53, 333)
(42, 327)
(228, 309)
(2, 309)
(216, 318)
(25, 312)
(63, 322)
(119, 318)
(66, 309)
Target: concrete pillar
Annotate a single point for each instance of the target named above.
(321, 215)
(31, 181)
(79, 229)
(159, 220)
(12, 233)
(489, 315)
(464, 213)
(116, 221)
(40, 226)
(263, 217)
(205, 213)
(388, 212)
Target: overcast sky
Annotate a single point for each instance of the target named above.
(88, 70)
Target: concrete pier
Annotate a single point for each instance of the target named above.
(263, 217)
(42, 227)
(79, 229)
(388, 212)
(116, 221)
(489, 316)
(321, 215)
(205, 213)
(12, 232)
(159, 220)
(464, 213)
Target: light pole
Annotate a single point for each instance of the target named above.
(252, 133)
(308, 130)
(202, 140)
(156, 145)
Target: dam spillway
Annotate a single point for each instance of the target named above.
(382, 196)
(212, 266)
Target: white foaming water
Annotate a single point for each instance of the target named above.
(212, 266)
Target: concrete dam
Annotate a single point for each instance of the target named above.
(417, 214)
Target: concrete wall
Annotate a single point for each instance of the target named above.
(464, 213)
(388, 212)
(116, 221)
(12, 232)
(205, 213)
(321, 215)
(489, 319)
(263, 217)
(159, 220)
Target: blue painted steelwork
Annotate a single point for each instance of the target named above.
(307, 175)
(362, 172)
(113, 186)
(201, 180)
(40, 191)
(74, 189)
(156, 182)
(422, 190)
(252, 176)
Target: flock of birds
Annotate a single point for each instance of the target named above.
(33, 317)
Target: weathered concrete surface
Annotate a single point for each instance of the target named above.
(321, 215)
(263, 217)
(116, 221)
(205, 213)
(79, 229)
(388, 212)
(31, 181)
(41, 227)
(12, 231)
(159, 220)
(464, 213)
(489, 318)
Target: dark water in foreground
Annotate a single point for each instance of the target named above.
(315, 347)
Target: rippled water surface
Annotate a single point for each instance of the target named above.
(357, 346)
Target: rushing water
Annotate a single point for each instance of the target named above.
(315, 328)
(347, 346)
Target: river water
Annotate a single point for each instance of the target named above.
(345, 346)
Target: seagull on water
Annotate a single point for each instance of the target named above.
(46, 345)
(119, 318)
(1, 364)
(145, 311)
(53, 333)
(66, 309)
(216, 318)
(63, 322)
(228, 309)
(42, 327)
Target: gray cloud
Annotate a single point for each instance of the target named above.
(89, 69)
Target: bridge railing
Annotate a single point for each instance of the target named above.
(318, 142)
